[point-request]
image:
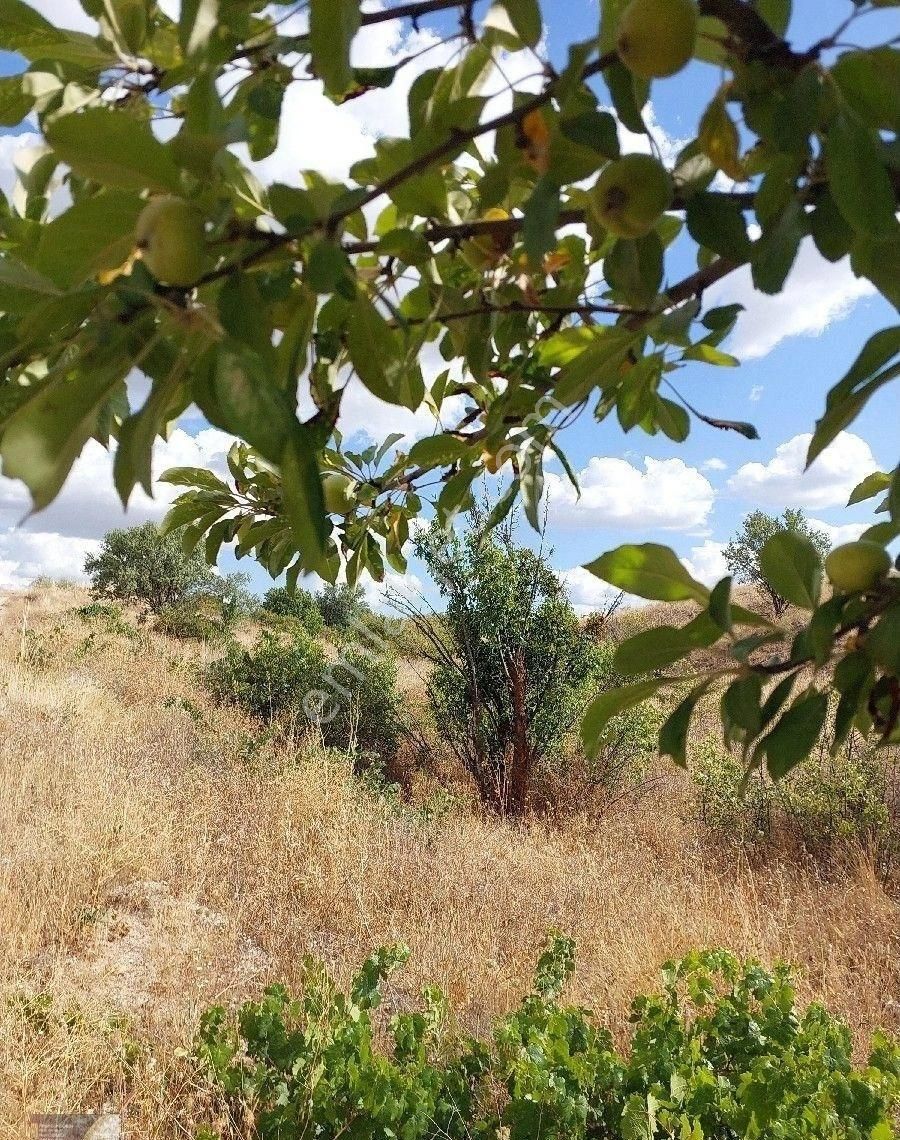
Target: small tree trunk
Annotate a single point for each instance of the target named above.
(521, 756)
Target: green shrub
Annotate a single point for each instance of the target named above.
(269, 680)
(510, 663)
(721, 1053)
(362, 712)
(353, 700)
(140, 564)
(186, 621)
(818, 806)
(299, 605)
(341, 606)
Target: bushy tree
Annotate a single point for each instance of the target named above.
(140, 564)
(341, 605)
(510, 659)
(298, 604)
(742, 554)
(351, 702)
(555, 274)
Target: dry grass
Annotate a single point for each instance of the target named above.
(151, 863)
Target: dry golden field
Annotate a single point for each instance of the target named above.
(155, 858)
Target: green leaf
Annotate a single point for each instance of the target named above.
(197, 24)
(717, 223)
(24, 30)
(531, 479)
(870, 82)
(872, 485)
(629, 94)
(720, 605)
(525, 17)
(673, 734)
(379, 358)
(650, 571)
(94, 235)
(793, 737)
(15, 103)
(876, 364)
(662, 645)
(45, 435)
(776, 251)
(672, 419)
(595, 359)
(883, 641)
(634, 268)
(236, 394)
(607, 705)
(858, 179)
(114, 149)
(304, 502)
(138, 433)
(541, 217)
(792, 567)
(437, 451)
(333, 25)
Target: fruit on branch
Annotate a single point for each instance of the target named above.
(656, 38)
(484, 250)
(857, 566)
(171, 236)
(631, 194)
(340, 493)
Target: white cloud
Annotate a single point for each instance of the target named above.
(586, 592)
(756, 393)
(707, 562)
(55, 542)
(408, 586)
(667, 494)
(65, 14)
(839, 534)
(783, 482)
(817, 292)
(26, 555)
(714, 464)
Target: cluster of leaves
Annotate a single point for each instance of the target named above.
(510, 662)
(297, 604)
(353, 701)
(721, 1052)
(742, 554)
(776, 681)
(296, 293)
(821, 805)
(140, 564)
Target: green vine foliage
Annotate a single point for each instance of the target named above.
(723, 1051)
(497, 238)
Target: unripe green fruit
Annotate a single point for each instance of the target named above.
(656, 38)
(339, 492)
(631, 194)
(857, 566)
(171, 236)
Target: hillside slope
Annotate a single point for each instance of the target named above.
(158, 854)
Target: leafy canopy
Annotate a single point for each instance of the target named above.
(139, 564)
(564, 301)
(742, 554)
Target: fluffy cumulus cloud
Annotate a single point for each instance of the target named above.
(586, 592)
(56, 541)
(707, 562)
(667, 495)
(783, 482)
(837, 535)
(816, 293)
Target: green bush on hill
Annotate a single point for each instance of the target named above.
(723, 1052)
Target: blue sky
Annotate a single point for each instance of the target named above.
(691, 496)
